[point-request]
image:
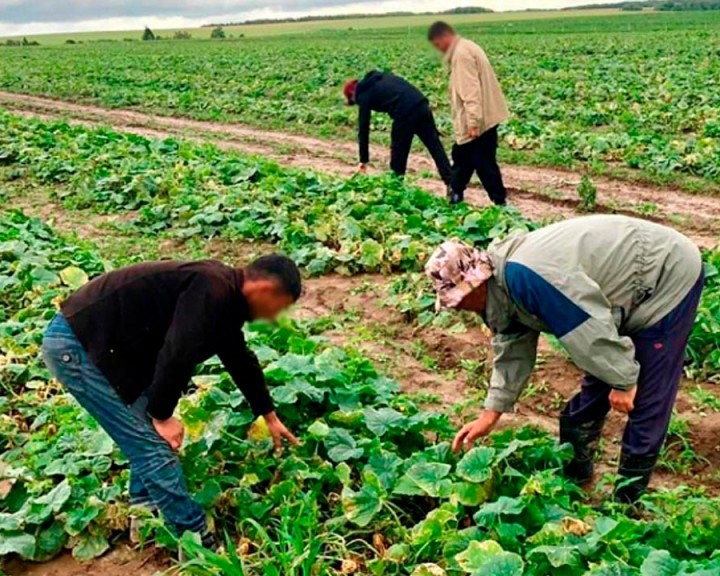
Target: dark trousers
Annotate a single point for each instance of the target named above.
(660, 351)
(479, 155)
(420, 122)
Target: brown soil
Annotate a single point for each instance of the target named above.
(121, 561)
(539, 193)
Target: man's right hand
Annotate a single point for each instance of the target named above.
(170, 430)
(278, 431)
(477, 429)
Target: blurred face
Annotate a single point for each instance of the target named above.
(265, 299)
(476, 301)
(443, 42)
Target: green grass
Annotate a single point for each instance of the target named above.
(359, 23)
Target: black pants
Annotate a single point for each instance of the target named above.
(479, 156)
(419, 122)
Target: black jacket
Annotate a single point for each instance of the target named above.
(148, 326)
(383, 92)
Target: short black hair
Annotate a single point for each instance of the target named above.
(279, 268)
(438, 29)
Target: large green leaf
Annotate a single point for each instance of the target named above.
(425, 479)
(17, 542)
(476, 465)
(381, 420)
(489, 559)
(90, 546)
(40, 509)
(659, 563)
(74, 277)
(503, 506)
(362, 506)
(341, 446)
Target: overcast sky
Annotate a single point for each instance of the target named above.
(44, 16)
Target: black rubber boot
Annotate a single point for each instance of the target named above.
(584, 439)
(457, 198)
(637, 468)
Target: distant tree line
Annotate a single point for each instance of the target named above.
(23, 42)
(659, 5)
(458, 10)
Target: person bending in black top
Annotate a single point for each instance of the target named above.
(411, 115)
(127, 344)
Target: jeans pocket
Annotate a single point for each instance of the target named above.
(62, 357)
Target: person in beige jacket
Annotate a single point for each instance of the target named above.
(619, 294)
(478, 108)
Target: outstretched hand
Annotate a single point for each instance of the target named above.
(278, 431)
(477, 429)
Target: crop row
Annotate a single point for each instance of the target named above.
(366, 491)
(601, 91)
(364, 224)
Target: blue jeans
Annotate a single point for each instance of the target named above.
(156, 476)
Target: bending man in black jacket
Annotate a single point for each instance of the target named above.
(411, 114)
(126, 345)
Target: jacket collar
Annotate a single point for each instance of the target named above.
(451, 52)
(242, 302)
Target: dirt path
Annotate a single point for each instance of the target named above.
(540, 193)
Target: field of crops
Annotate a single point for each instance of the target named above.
(373, 489)
(597, 92)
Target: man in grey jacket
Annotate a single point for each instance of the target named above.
(621, 296)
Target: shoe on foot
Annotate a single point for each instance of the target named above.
(139, 519)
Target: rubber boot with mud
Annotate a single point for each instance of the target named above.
(635, 473)
(584, 439)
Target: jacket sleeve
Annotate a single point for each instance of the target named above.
(576, 311)
(192, 326)
(244, 368)
(364, 114)
(514, 360)
(469, 87)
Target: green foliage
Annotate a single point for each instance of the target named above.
(148, 35)
(218, 33)
(587, 191)
(580, 89)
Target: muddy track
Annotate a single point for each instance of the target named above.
(540, 193)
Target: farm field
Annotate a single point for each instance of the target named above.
(115, 153)
(596, 92)
(311, 26)
(373, 489)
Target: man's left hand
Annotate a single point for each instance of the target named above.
(474, 133)
(278, 431)
(623, 400)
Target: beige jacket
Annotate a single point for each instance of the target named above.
(476, 97)
(593, 282)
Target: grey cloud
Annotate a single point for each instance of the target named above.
(25, 11)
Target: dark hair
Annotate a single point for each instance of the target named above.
(279, 268)
(438, 29)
